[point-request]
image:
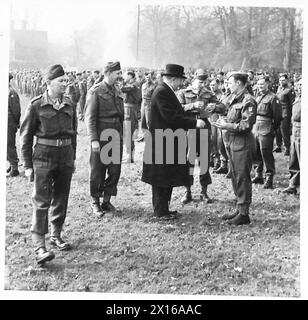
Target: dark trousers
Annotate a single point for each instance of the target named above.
(294, 164)
(204, 178)
(130, 125)
(222, 149)
(53, 169)
(240, 160)
(81, 104)
(264, 155)
(283, 133)
(104, 177)
(161, 197)
(12, 157)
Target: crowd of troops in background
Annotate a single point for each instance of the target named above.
(209, 88)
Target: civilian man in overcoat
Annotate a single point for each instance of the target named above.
(166, 115)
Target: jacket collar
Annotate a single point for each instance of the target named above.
(45, 100)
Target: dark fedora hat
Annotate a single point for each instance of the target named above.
(174, 70)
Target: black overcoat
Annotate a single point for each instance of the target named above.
(166, 113)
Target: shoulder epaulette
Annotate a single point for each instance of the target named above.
(94, 87)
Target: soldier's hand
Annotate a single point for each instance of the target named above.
(200, 123)
(198, 105)
(29, 174)
(220, 123)
(95, 146)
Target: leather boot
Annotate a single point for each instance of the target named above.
(230, 215)
(242, 217)
(96, 208)
(204, 196)
(277, 149)
(268, 183)
(187, 196)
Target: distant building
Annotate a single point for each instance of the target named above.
(28, 48)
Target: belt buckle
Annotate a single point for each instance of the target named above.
(59, 142)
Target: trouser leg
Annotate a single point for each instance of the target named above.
(160, 200)
(12, 156)
(258, 161)
(41, 199)
(285, 131)
(266, 148)
(60, 194)
(294, 166)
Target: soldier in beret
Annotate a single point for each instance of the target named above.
(267, 121)
(240, 144)
(104, 111)
(12, 127)
(51, 117)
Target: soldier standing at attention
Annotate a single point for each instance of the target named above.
(104, 110)
(285, 97)
(238, 125)
(12, 127)
(267, 121)
(51, 117)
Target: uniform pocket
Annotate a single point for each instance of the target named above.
(41, 156)
(49, 121)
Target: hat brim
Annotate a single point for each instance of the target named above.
(174, 75)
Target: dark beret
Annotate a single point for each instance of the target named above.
(132, 73)
(54, 72)
(10, 76)
(112, 66)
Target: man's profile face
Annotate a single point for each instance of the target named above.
(197, 84)
(283, 81)
(233, 84)
(115, 76)
(58, 85)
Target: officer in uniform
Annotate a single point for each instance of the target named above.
(194, 99)
(294, 163)
(105, 110)
(267, 121)
(12, 127)
(285, 97)
(240, 120)
(51, 117)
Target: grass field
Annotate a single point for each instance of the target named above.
(130, 252)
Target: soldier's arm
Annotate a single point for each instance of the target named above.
(186, 106)
(91, 115)
(27, 132)
(219, 107)
(14, 105)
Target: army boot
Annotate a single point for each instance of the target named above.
(230, 215)
(277, 149)
(242, 217)
(223, 169)
(268, 182)
(204, 196)
(287, 152)
(187, 196)
(96, 208)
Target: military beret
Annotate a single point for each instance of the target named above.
(10, 76)
(201, 75)
(112, 66)
(54, 72)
